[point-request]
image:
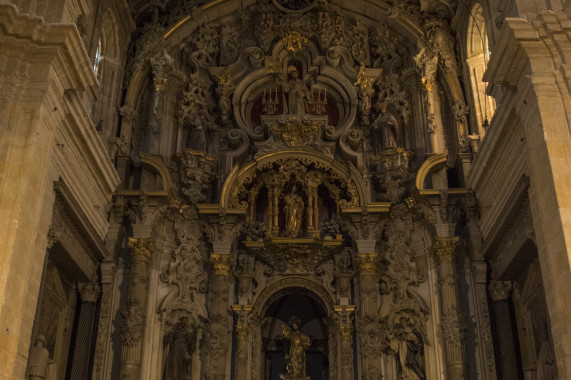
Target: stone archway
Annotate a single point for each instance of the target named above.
(284, 306)
(274, 305)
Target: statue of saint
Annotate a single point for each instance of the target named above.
(295, 358)
(408, 344)
(293, 209)
(178, 348)
(298, 94)
(196, 139)
(38, 362)
(389, 129)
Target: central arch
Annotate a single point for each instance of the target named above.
(274, 306)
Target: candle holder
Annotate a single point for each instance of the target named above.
(270, 105)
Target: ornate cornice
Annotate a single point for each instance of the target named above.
(141, 249)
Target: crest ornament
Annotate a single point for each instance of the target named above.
(294, 42)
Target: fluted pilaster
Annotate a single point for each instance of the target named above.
(132, 330)
(452, 323)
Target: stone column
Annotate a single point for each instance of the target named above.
(525, 335)
(241, 367)
(161, 67)
(345, 342)
(427, 64)
(103, 330)
(218, 333)
(507, 355)
(89, 293)
(369, 352)
(134, 317)
(452, 323)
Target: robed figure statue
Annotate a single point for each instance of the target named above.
(299, 96)
(387, 128)
(293, 208)
(178, 348)
(295, 358)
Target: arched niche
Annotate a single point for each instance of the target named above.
(290, 305)
(277, 302)
(333, 93)
(324, 185)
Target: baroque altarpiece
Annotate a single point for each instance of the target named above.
(293, 204)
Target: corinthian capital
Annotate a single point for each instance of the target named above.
(500, 290)
(141, 249)
(89, 292)
(221, 264)
(444, 247)
(367, 263)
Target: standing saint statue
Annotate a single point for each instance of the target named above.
(295, 358)
(408, 345)
(298, 94)
(38, 361)
(293, 209)
(178, 348)
(389, 129)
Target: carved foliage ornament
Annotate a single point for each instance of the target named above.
(368, 263)
(444, 247)
(141, 249)
(294, 42)
(221, 264)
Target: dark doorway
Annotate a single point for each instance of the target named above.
(297, 302)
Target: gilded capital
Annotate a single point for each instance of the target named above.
(367, 263)
(141, 249)
(221, 264)
(500, 290)
(428, 84)
(242, 332)
(444, 247)
(160, 84)
(346, 332)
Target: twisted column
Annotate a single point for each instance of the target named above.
(507, 355)
(452, 325)
(134, 317)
